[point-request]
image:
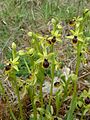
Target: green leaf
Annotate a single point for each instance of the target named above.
(72, 32)
(40, 55)
(86, 110)
(72, 108)
(56, 33)
(70, 37)
(39, 61)
(15, 60)
(21, 52)
(53, 21)
(80, 103)
(30, 51)
(50, 56)
(59, 26)
(16, 68)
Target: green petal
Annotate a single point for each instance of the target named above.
(16, 68)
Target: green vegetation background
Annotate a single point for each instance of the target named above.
(17, 17)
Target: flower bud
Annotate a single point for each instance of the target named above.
(13, 45)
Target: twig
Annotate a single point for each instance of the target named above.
(84, 75)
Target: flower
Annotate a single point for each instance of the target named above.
(72, 22)
(53, 39)
(87, 100)
(45, 63)
(76, 36)
(8, 67)
(75, 40)
(14, 63)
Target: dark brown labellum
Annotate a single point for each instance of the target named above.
(8, 67)
(20, 88)
(29, 76)
(57, 84)
(68, 34)
(45, 63)
(43, 114)
(75, 40)
(24, 83)
(80, 54)
(87, 100)
(53, 39)
(71, 22)
(55, 118)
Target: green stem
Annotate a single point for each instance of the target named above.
(36, 45)
(78, 58)
(77, 68)
(41, 95)
(27, 65)
(34, 109)
(52, 75)
(19, 102)
(11, 112)
(31, 94)
(14, 82)
(74, 96)
(12, 76)
(58, 103)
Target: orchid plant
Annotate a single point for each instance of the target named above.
(42, 56)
